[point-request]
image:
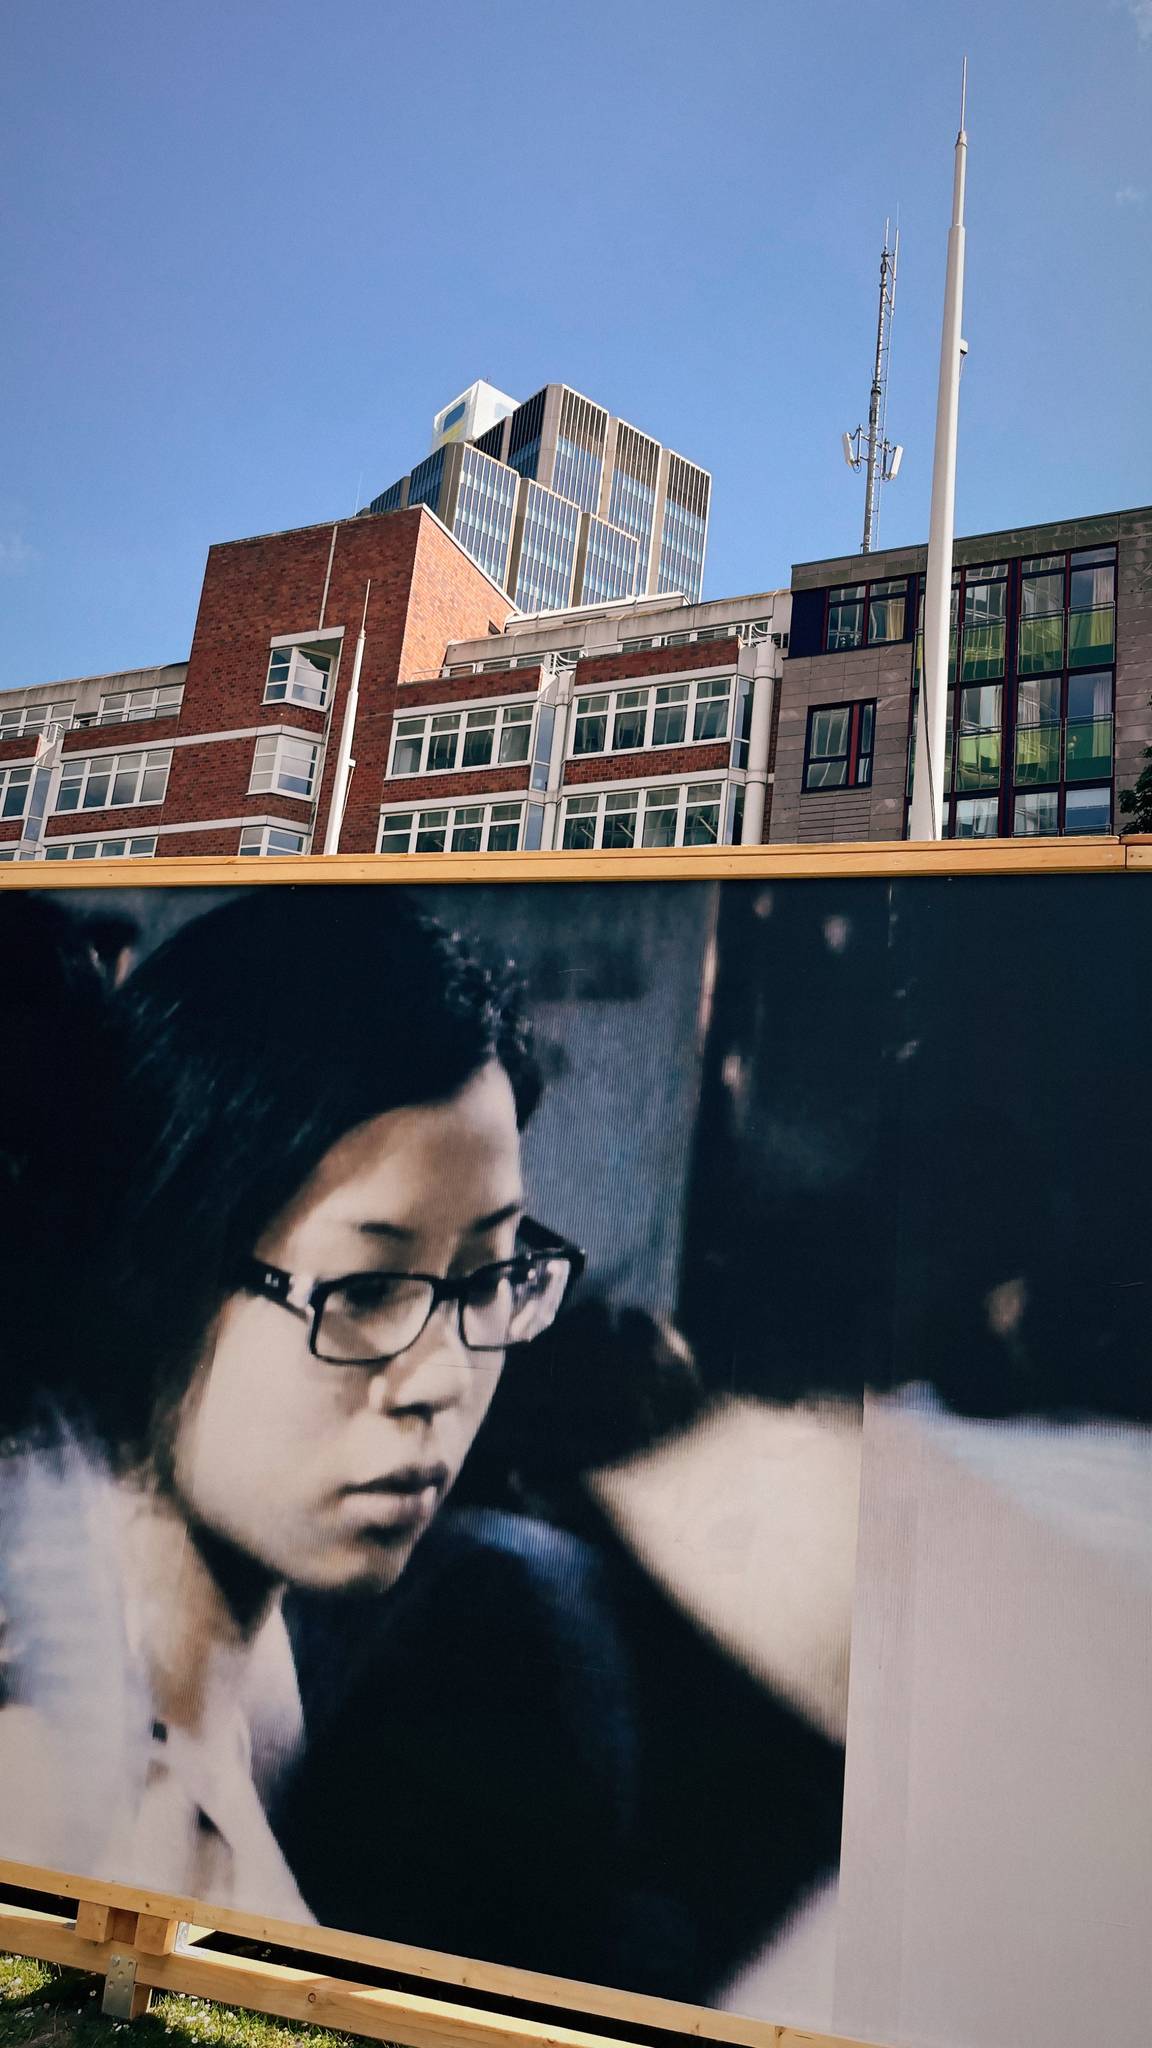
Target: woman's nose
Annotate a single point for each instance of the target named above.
(433, 1374)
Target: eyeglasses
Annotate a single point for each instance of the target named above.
(370, 1318)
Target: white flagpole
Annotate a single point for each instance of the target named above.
(926, 820)
(344, 762)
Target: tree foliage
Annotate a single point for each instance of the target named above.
(1138, 801)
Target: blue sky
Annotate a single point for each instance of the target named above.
(252, 245)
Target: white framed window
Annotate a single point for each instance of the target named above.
(285, 764)
(487, 736)
(657, 715)
(106, 782)
(300, 675)
(123, 707)
(32, 718)
(664, 814)
(140, 846)
(261, 839)
(453, 828)
(14, 791)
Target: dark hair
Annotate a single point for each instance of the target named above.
(55, 1090)
(252, 1041)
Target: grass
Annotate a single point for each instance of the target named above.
(42, 2006)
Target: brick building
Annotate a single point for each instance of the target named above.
(781, 715)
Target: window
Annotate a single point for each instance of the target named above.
(669, 814)
(492, 734)
(670, 715)
(104, 782)
(1037, 815)
(658, 715)
(261, 839)
(984, 619)
(976, 817)
(1088, 810)
(14, 791)
(591, 728)
(1067, 601)
(710, 721)
(284, 764)
(975, 749)
(125, 707)
(32, 718)
(852, 606)
(845, 618)
(630, 721)
(838, 754)
(1064, 740)
(299, 675)
(141, 846)
(886, 605)
(457, 828)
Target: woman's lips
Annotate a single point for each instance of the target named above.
(402, 1500)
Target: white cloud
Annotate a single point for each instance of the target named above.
(1130, 195)
(1141, 12)
(16, 554)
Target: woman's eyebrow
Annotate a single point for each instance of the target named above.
(475, 1229)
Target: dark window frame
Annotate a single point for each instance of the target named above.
(857, 758)
(882, 586)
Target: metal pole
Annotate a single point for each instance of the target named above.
(875, 434)
(926, 818)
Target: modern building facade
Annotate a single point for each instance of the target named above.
(559, 501)
(644, 721)
(1049, 681)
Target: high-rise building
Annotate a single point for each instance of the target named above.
(560, 502)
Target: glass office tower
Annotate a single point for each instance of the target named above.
(563, 504)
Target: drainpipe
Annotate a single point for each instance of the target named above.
(344, 762)
(559, 689)
(759, 736)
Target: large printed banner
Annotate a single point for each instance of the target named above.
(602, 1428)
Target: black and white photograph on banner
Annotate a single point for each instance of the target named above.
(601, 1428)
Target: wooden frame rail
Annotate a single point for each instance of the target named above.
(866, 857)
(142, 1942)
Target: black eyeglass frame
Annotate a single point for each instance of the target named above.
(303, 1296)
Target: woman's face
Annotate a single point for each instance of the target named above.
(328, 1475)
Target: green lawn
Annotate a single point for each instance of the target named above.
(45, 2007)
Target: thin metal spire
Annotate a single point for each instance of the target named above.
(868, 447)
(926, 820)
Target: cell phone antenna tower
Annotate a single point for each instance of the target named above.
(868, 448)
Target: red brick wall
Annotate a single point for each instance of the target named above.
(461, 689)
(424, 593)
(129, 736)
(448, 599)
(658, 661)
(101, 824)
(653, 763)
(474, 783)
(22, 748)
(201, 845)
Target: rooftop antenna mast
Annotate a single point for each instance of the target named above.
(867, 448)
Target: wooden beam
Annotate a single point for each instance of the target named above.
(886, 858)
(409, 2018)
